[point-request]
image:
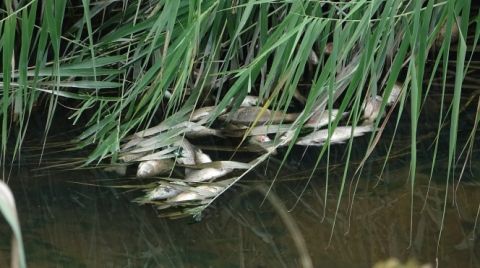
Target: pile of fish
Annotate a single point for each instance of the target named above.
(191, 178)
(198, 185)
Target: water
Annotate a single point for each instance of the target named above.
(75, 219)
(68, 222)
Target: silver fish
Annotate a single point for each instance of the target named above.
(164, 191)
(152, 168)
(371, 109)
(198, 157)
(395, 93)
(203, 113)
(286, 138)
(248, 115)
(269, 129)
(188, 152)
(205, 174)
(258, 139)
(339, 135)
(197, 193)
(318, 120)
(194, 130)
(201, 157)
(250, 101)
(211, 172)
(264, 142)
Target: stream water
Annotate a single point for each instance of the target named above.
(71, 219)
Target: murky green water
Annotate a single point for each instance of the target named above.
(66, 224)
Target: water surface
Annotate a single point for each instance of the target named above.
(68, 223)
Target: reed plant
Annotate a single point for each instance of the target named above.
(9, 212)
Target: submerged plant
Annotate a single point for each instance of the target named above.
(140, 76)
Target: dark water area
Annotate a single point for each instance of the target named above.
(74, 219)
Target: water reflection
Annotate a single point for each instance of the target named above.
(68, 224)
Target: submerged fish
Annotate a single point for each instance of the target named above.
(119, 169)
(197, 193)
(206, 174)
(164, 191)
(339, 135)
(152, 168)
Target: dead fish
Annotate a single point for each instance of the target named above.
(248, 115)
(313, 58)
(259, 139)
(395, 93)
(206, 174)
(320, 119)
(371, 108)
(233, 131)
(152, 168)
(213, 170)
(250, 101)
(201, 157)
(262, 141)
(197, 193)
(203, 113)
(286, 138)
(164, 191)
(268, 129)
(129, 157)
(339, 135)
(187, 156)
(194, 130)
